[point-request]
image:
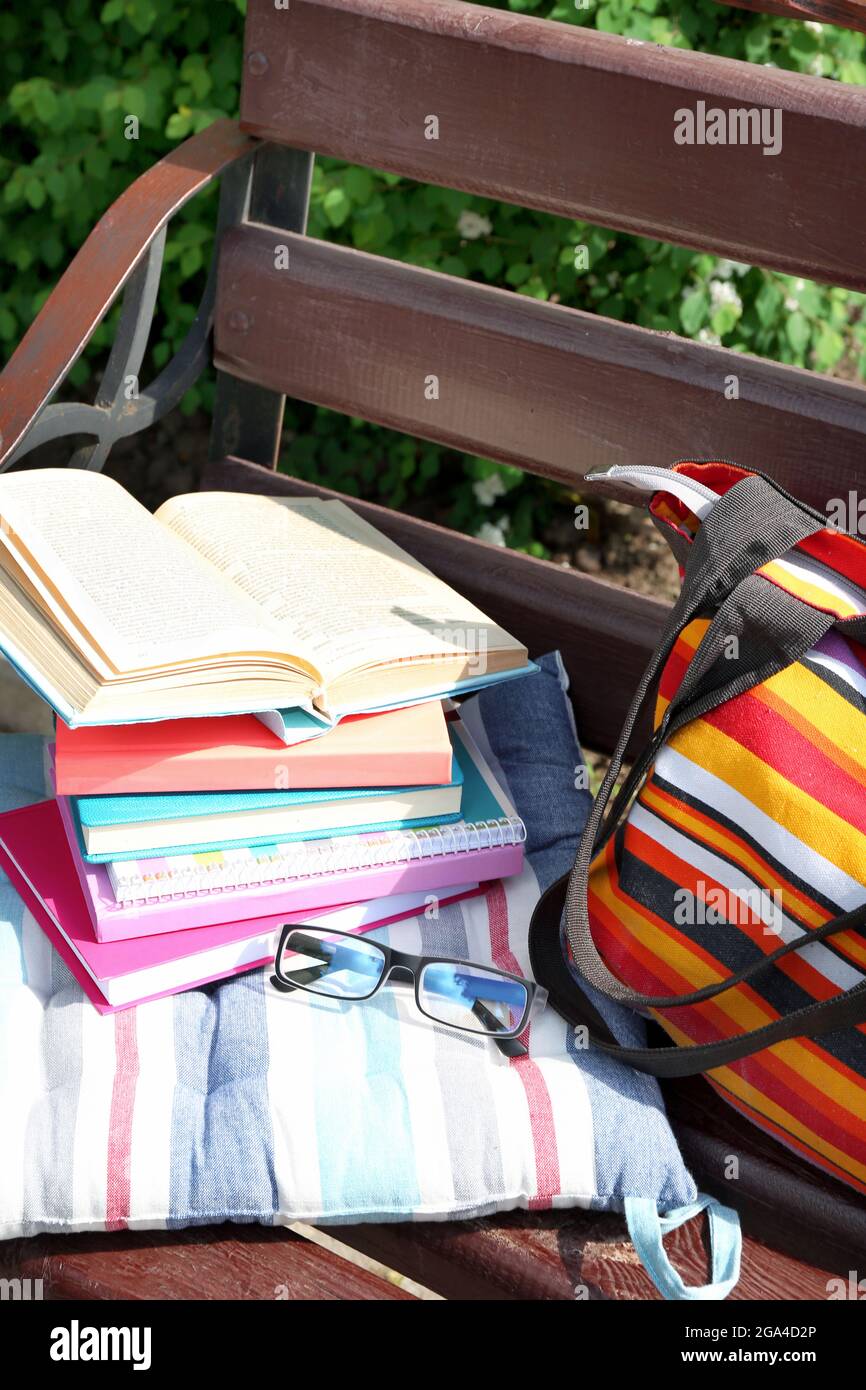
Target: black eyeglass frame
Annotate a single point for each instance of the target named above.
(507, 1040)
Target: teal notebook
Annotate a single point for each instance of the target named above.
(141, 826)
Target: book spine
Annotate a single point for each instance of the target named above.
(310, 859)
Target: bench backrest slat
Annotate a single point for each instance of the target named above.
(564, 119)
(506, 376)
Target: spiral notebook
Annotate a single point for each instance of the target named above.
(488, 822)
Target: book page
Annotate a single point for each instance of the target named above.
(100, 565)
(344, 595)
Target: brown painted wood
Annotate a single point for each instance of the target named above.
(552, 389)
(596, 626)
(569, 1255)
(101, 268)
(850, 14)
(215, 1262)
(568, 120)
(516, 1256)
(793, 1206)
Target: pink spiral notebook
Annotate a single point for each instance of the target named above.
(117, 974)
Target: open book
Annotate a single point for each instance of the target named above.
(222, 603)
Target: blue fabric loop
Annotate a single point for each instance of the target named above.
(646, 1228)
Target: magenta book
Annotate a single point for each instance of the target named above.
(117, 974)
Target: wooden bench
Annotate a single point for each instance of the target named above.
(572, 122)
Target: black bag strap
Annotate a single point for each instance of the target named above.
(774, 630)
(747, 527)
(824, 1016)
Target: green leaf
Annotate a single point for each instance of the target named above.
(142, 15)
(693, 311)
(34, 192)
(134, 102)
(662, 282)
(768, 302)
(359, 185)
(45, 103)
(336, 206)
(55, 182)
(518, 274)
(491, 262)
(829, 348)
(112, 11)
(97, 163)
(724, 318)
(798, 331)
(179, 125)
(52, 250)
(190, 261)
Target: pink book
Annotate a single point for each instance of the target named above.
(117, 974)
(405, 747)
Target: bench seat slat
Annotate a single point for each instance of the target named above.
(213, 1262)
(517, 1256)
(359, 78)
(551, 389)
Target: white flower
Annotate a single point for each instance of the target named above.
(706, 335)
(723, 292)
(488, 489)
(725, 269)
(472, 225)
(813, 26)
(791, 304)
(495, 534)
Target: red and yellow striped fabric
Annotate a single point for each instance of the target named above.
(750, 831)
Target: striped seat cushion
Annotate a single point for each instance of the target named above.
(233, 1102)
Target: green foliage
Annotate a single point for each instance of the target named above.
(73, 73)
(71, 76)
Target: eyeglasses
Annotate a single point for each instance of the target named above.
(473, 998)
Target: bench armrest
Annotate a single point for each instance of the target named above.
(125, 247)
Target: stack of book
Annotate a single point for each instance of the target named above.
(256, 725)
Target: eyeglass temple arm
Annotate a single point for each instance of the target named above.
(510, 1047)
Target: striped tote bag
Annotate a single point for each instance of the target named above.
(722, 889)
